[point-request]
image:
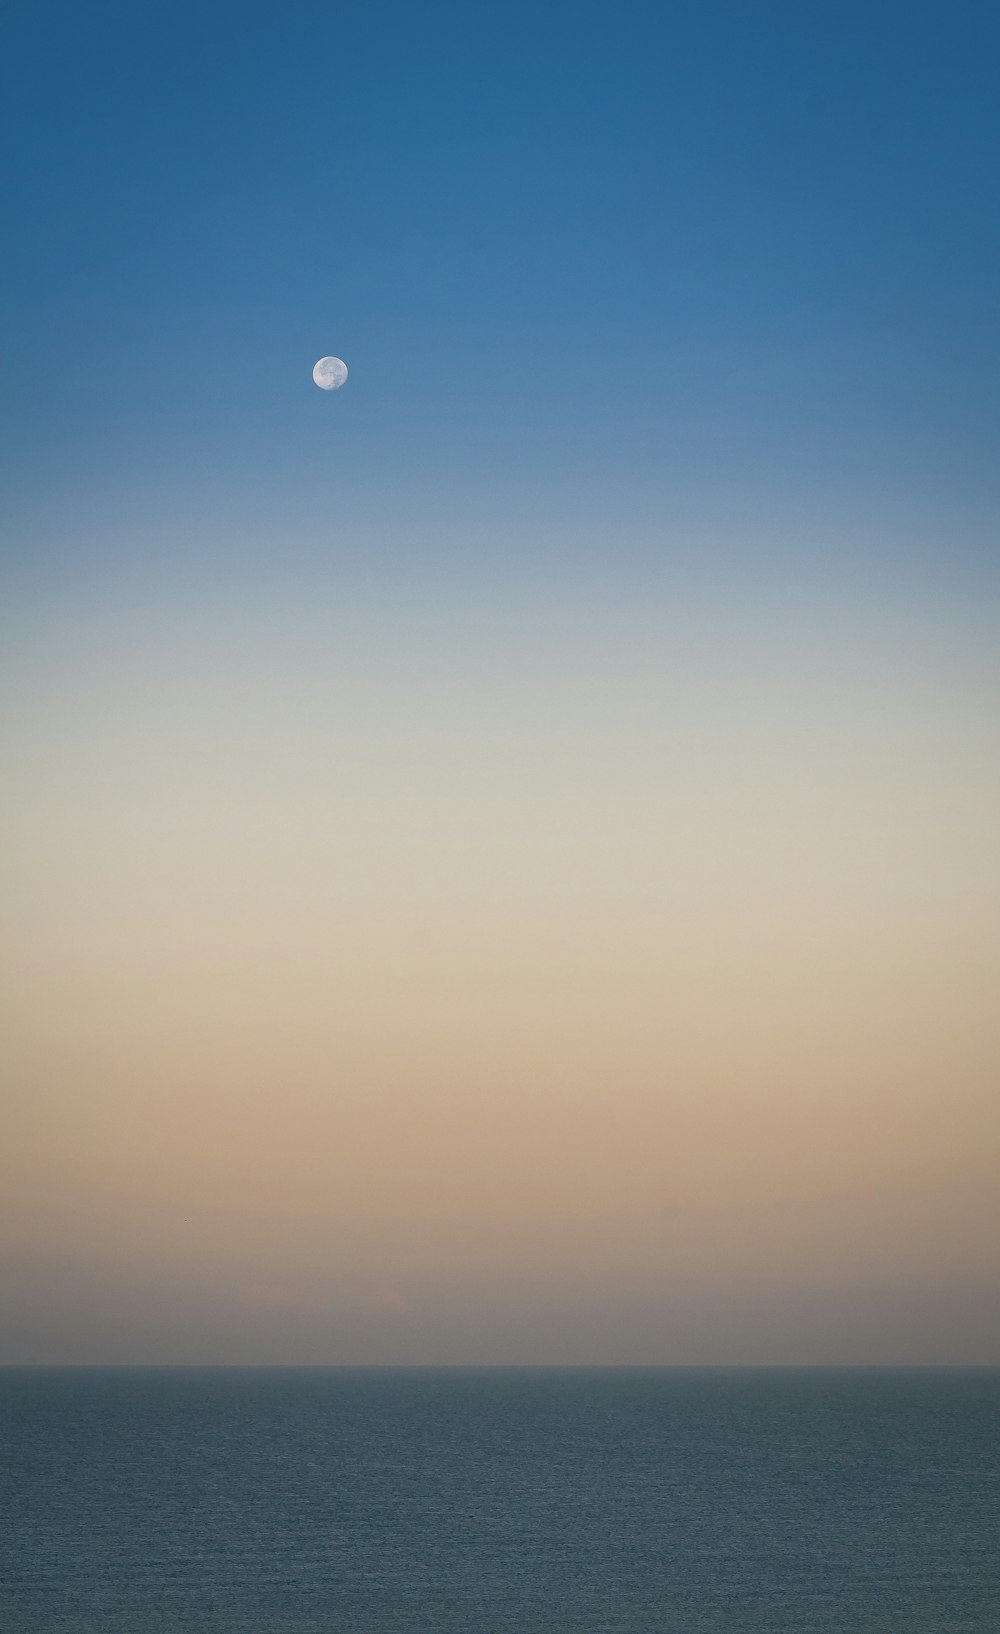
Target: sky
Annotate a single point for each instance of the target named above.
(501, 859)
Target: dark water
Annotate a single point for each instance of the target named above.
(274, 1502)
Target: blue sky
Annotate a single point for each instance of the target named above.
(716, 256)
(503, 856)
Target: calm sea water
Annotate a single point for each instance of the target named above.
(489, 1502)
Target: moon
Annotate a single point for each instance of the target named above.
(329, 373)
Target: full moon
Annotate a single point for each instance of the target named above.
(329, 373)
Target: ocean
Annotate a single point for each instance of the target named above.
(499, 1501)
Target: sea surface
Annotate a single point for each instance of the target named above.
(263, 1501)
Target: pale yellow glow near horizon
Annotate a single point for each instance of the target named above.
(421, 999)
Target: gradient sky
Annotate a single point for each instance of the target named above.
(502, 858)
